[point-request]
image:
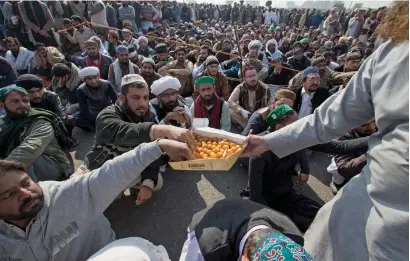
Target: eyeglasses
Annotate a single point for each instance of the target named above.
(168, 95)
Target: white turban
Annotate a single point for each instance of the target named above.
(255, 43)
(142, 38)
(165, 83)
(131, 249)
(89, 71)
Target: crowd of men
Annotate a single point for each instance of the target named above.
(135, 72)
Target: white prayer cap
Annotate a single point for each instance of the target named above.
(142, 38)
(276, 55)
(165, 83)
(255, 43)
(133, 78)
(131, 249)
(89, 71)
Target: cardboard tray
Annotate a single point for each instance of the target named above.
(212, 164)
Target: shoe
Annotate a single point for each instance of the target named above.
(336, 187)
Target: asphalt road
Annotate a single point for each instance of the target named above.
(165, 217)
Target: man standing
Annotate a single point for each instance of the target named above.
(93, 96)
(96, 59)
(33, 137)
(209, 105)
(127, 12)
(180, 69)
(148, 14)
(121, 67)
(168, 109)
(19, 57)
(37, 17)
(247, 97)
(221, 84)
(98, 16)
(149, 74)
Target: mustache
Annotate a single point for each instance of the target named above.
(27, 201)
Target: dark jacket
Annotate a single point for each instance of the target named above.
(282, 78)
(220, 227)
(117, 133)
(318, 98)
(51, 102)
(106, 61)
(299, 64)
(7, 73)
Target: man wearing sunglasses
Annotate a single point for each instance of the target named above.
(169, 109)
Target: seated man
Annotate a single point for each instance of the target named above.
(180, 69)
(328, 78)
(93, 96)
(209, 105)
(270, 178)
(257, 122)
(128, 39)
(279, 75)
(298, 61)
(19, 57)
(345, 166)
(260, 67)
(247, 97)
(144, 49)
(122, 127)
(161, 56)
(33, 137)
(67, 218)
(7, 73)
(44, 99)
(237, 229)
(351, 63)
(65, 82)
(149, 74)
(167, 107)
(121, 67)
(221, 82)
(44, 59)
(96, 59)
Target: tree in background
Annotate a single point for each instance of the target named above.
(268, 3)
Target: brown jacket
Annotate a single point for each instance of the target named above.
(329, 80)
(182, 72)
(221, 85)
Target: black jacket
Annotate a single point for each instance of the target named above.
(318, 98)
(220, 227)
(117, 133)
(51, 102)
(299, 64)
(106, 61)
(281, 78)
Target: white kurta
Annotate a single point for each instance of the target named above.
(369, 218)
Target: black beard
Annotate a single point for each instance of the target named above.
(94, 57)
(30, 214)
(124, 63)
(209, 102)
(168, 107)
(15, 116)
(134, 117)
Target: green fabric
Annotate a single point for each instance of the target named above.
(275, 116)
(304, 41)
(12, 131)
(205, 79)
(11, 87)
(271, 30)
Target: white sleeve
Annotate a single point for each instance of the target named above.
(190, 250)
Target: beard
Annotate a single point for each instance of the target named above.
(124, 62)
(208, 100)
(252, 85)
(27, 213)
(17, 115)
(313, 88)
(169, 106)
(94, 56)
(135, 116)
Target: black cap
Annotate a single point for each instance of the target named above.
(29, 81)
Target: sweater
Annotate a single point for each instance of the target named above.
(71, 224)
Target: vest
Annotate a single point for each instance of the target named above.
(146, 12)
(220, 228)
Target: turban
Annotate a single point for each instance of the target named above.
(148, 60)
(304, 41)
(318, 59)
(163, 84)
(205, 79)
(89, 71)
(122, 49)
(308, 71)
(142, 38)
(10, 88)
(29, 81)
(283, 247)
(255, 43)
(133, 78)
(90, 43)
(211, 60)
(276, 115)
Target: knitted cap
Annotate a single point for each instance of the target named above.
(211, 60)
(317, 60)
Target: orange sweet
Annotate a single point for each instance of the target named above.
(225, 147)
(220, 154)
(234, 149)
(216, 149)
